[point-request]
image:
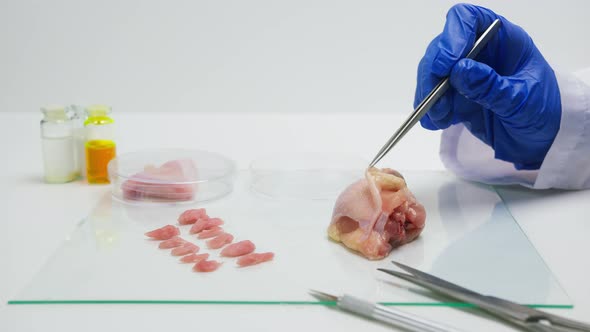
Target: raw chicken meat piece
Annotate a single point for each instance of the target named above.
(185, 249)
(211, 232)
(191, 216)
(238, 249)
(376, 214)
(172, 243)
(164, 233)
(194, 258)
(220, 240)
(206, 266)
(255, 258)
(164, 182)
(202, 224)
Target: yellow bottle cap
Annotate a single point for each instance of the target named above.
(98, 110)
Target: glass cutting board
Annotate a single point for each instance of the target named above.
(470, 239)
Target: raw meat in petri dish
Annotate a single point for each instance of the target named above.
(194, 258)
(174, 242)
(185, 249)
(206, 266)
(163, 233)
(205, 223)
(191, 216)
(376, 214)
(211, 232)
(255, 258)
(238, 249)
(167, 182)
(220, 240)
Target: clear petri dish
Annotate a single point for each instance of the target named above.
(304, 176)
(171, 176)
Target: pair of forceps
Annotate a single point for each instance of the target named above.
(524, 317)
(434, 95)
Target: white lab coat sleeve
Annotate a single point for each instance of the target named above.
(567, 164)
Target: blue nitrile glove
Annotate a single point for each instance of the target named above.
(508, 97)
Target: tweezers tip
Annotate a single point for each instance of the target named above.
(396, 273)
(406, 268)
(387, 271)
(398, 264)
(323, 296)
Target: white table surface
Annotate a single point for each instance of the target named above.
(36, 217)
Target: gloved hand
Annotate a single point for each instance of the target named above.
(507, 97)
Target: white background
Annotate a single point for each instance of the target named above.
(263, 56)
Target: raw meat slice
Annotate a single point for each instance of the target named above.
(220, 240)
(203, 223)
(376, 214)
(164, 182)
(206, 266)
(194, 258)
(185, 249)
(191, 216)
(255, 258)
(163, 233)
(172, 243)
(211, 232)
(238, 249)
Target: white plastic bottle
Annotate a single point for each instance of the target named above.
(59, 159)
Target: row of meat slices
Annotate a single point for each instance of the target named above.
(206, 228)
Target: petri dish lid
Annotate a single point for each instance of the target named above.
(305, 176)
(171, 175)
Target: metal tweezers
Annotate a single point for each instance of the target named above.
(521, 316)
(434, 95)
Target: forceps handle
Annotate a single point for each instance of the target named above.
(434, 95)
(391, 316)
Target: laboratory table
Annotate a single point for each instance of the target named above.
(36, 217)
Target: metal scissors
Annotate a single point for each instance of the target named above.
(521, 316)
(434, 95)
